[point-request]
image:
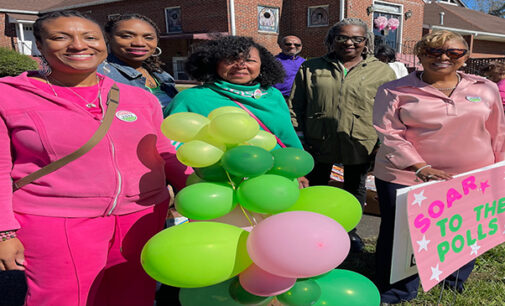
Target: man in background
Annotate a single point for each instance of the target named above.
(291, 46)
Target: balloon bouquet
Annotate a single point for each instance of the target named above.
(296, 239)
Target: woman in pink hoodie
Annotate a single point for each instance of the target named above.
(78, 232)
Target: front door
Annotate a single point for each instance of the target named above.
(386, 36)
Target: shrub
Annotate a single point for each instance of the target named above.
(13, 63)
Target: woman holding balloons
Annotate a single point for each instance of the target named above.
(237, 72)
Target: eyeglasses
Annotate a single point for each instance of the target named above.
(451, 53)
(354, 39)
(291, 44)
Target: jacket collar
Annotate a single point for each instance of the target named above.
(286, 57)
(367, 59)
(123, 67)
(413, 80)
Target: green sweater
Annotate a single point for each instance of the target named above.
(267, 104)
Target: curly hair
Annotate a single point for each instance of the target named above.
(37, 26)
(152, 63)
(337, 27)
(202, 63)
(437, 39)
(494, 71)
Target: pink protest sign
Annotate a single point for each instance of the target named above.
(452, 222)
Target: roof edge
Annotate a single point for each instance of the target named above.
(477, 33)
(69, 7)
(19, 11)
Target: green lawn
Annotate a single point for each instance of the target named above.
(486, 285)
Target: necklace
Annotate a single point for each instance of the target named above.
(151, 82)
(89, 104)
(442, 89)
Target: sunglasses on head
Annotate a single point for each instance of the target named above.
(451, 53)
(291, 44)
(354, 39)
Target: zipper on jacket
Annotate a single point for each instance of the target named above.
(119, 179)
(113, 150)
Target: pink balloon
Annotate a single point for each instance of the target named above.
(298, 244)
(259, 282)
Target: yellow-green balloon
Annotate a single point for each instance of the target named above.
(197, 153)
(225, 110)
(205, 135)
(263, 140)
(196, 254)
(183, 127)
(333, 202)
(233, 127)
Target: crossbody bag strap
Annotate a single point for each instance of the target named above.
(112, 104)
(259, 122)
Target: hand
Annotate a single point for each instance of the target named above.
(428, 174)
(303, 182)
(12, 255)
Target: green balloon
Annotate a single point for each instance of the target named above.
(240, 295)
(196, 254)
(305, 292)
(332, 202)
(213, 173)
(205, 201)
(343, 287)
(267, 194)
(193, 179)
(247, 161)
(291, 162)
(216, 295)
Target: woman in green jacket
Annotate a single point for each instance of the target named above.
(332, 102)
(237, 69)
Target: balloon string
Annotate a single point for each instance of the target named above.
(246, 215)
(230, 180)
(242, 208)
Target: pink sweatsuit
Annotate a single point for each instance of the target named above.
(83, 226)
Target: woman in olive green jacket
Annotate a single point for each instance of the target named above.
(332, 102)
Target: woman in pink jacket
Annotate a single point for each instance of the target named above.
(78, 232)
(431, 124)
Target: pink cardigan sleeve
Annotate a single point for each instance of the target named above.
(496, 127)
(7, 220)
(391, 130)
(501, 88)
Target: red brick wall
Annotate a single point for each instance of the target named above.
(294, 22)
(197, 15)
(8, 37)
(246, 20)
(203, 16)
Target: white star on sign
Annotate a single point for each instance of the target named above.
(435, 273)
(423, 244)
(475, 248)
(419, 198)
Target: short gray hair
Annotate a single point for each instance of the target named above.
(335, 29)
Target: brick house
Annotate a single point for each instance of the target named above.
(185, 22)
(16, 20)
